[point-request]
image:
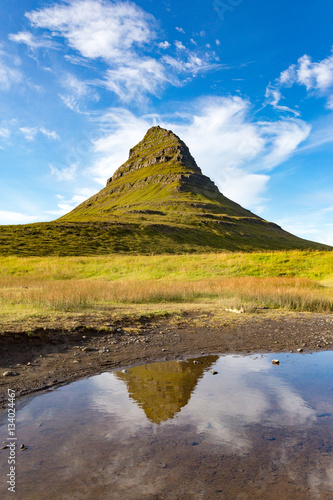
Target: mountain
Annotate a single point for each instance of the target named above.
(158, 201)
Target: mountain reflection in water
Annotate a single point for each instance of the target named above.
(174, 430)
(163, 389)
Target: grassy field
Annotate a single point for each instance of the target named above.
(33, 288)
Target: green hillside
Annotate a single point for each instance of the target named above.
(157, 202)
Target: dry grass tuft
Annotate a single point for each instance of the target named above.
(299, 294)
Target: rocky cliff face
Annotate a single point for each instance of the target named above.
(158, 146)
(163, 147)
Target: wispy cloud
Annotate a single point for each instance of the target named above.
(71, 103)
(66, 204)
(32, 41)
(123, 36)
(79, 93)
(8, 75)
(274, 97)
(7, 217)
(64, 174)
(4, 133)
(30, 133)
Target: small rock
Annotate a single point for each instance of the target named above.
(88, 349)
(163, 350)
(195, 362)
(300, 350)
(84, 336)
(214, 372)
(275, 362)
(103, 350)
(5, 447)
(237, 311)
(29, 364)
(10, 374)
(23, 447)
(124, 371)
(268, 437)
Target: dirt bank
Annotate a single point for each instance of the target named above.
(50, 357)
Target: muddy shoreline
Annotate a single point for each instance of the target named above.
(47, 358)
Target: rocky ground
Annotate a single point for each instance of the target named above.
(49, 357)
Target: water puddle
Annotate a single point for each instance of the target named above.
(174, 430)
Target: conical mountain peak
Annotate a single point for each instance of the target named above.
(160, 200)
(159, 146)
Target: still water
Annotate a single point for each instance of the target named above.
(173, 430)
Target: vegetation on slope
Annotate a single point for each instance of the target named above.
(157, 202)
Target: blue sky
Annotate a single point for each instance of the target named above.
(247, 85)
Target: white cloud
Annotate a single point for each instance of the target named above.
(31, 132)
(32, 41)
(4, 133)
(71, 103)
(274, 96)
(8, 75)
(78, 87)
(65, 205)
(317, 77)
(330, 102)
(64, 174)
(218, 42)
(179, 45)
(49, 133)
(180, 30)
(7, 217)
(312, 227)
(138, 78)
(284, 137)
(79, 93)
(97, 29)
(121, 34)
(164, 45)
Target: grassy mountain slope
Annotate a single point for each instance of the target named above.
(157, 202)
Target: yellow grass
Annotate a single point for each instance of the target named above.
(49, 287)
(251, 292)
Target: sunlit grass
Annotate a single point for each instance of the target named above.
(77, 295)
(299, 281)
(304, 264)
